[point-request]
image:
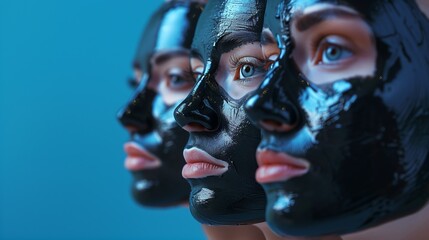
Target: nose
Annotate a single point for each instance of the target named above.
(137, 115)
(270, 108)
(197, 113)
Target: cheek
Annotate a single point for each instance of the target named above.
(171, 97)
(175, 97)
(225, 79)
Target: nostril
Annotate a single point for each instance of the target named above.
(196, 117)
(276, 126)
(131, 129)
(140, 128)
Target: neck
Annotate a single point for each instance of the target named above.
(414, 226)
(242, 232)
(424, 6)
(270, 235)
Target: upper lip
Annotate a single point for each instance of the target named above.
(196, 155)
(139, 158)
(268, 157)
(200, 164)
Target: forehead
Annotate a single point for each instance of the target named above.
(312, 15)
(173, 28)
(223, 18)
(165, 55)
(380, 15)
(363, 7)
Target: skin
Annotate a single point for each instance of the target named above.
(303, 134)
(424, 6)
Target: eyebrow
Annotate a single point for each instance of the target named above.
(195, 54)
(163, 57)
(236, 39)
(305, 22)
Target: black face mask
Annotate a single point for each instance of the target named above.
(234, 197)
(170, 29)
(365, 138)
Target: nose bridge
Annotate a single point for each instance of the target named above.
(137, 113)
(276, 99)
(200, 106)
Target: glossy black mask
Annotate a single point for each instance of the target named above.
(235, 197)
(171, 29)
(366, 138)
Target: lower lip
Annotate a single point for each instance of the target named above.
(278, 173)
(201, 170)
(137, 163)
(279, 167)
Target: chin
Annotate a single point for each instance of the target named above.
(214, 205)
(293, 211)
(150, 191)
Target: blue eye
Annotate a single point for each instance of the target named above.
(247, 71)
(180, 82)
(333, 53)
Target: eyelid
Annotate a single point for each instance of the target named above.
(273, 57)
(199, 69)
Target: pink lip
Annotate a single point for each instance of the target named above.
(278, 167)
(200, 164)
(139, 158)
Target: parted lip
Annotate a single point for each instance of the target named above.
(278, 166)
(139, 158)
(200, 164)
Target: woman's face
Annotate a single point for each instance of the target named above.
(163, 78)
(340, 150)
(220, 154)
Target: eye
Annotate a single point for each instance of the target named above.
(270, 65)
(329, 53)
(271, 61)
(247, 68)
(335, 53)
(197, 68)
(180, 82)
(246, 71)
(197, 73)
(133, 82)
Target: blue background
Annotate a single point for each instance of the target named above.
(63, 66)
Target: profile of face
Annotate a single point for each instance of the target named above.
(162, 79)
(220, 153)
(344, 114)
